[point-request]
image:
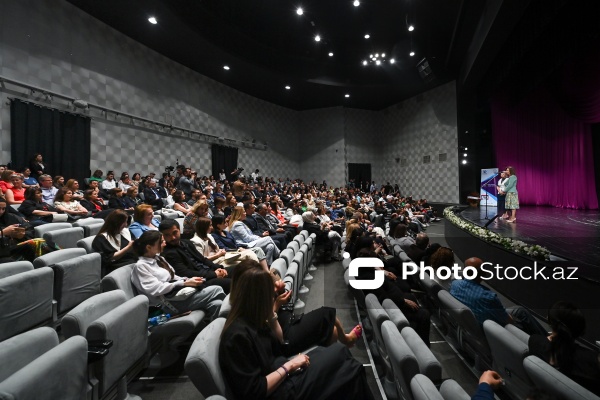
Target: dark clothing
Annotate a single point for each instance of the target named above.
(117, 203)
(27, 208)
(484, 392)
(254, 224)
(585, 371)
(248, 355)
(99, 209)
(107, 251)
(188, 262)
(306, 330)
(153, 197)
(226, 242)
(131, 202)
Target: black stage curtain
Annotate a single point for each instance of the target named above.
(596, 150)
(62, 138)
(223, 157)
(360, 173)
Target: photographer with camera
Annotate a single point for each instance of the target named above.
(187, 182)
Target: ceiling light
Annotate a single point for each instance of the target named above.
(330, 54)
(365, 62)
(376, 55)
(152, 20)
(411, 28)
(226, 67)
(392, 61)
(378, 62)
(412, 53)
(367, 36)
(466, 149)
(465, 154)
(464, 161)
(356, 3)
(317, 38)
(299, 11)
(383, 55)
(288, 87)
(346, 95)
(370, 55)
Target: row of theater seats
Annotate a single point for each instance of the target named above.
(503, 349)
(65, 289)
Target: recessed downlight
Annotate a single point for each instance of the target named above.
(412, 53)
(226, 67)
(392, 61)
(299, 11)
(317, 38)
(356, 3)
(367, 36)
(346, 95)
(330, 54)
(411, 28)
(152, 20)
(288, 87)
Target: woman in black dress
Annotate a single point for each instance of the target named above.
(34, 209)
(254, 365)
(114, 242)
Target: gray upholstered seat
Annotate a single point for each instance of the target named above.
(161, 335)
(299, 261)
(432, 289)
(13, 268)
(76, 280)
(41, 368)
(518, 333)
(508, 353)
(451, 390)
(292, 275)
(428, 363)
(378, 316)
(293, 245)
(111, 316)
(65, 238)
(25, 301)
(470, 335)
(91, 226)
(202, 362)
(57, 256)
(305, 261)
(304, 234)
(287, 255)
(310, 243)
(403, 361)
(346, 262)
(299, 238)
(546, 376)
(396, 316)
(281, 266)
(423, 389)
(180, 222)
(86, 244)
(225, 308)
(39, 230)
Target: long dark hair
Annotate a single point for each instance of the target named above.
(150, 238)
(255, 285)
(216, 221)
(113, 222)
(568, 323)
(30, 192)
(201, 227)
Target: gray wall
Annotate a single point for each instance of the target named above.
(54, 45)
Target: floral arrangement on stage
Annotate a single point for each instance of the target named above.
(518, 246)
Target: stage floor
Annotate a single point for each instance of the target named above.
(569, 234)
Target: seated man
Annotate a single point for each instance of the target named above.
(485, 303)
(416, 251)
(262, 216)
(187, 261)
(153, 196)
(252, 223)
(48, 190)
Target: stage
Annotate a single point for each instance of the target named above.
(572, 235)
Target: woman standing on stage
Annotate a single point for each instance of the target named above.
(512, 197)
(502, 195)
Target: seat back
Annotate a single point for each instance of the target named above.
(25, 301)
(57, 256)
(202, 362)
(428, 363)
(91, 226)
(225, 307)
(377, 316)
(65, 238)
(281, 266)
(77, 321)
(126, 326)
(508, 353)
(13, 268)
(39, 230)
(58, 373)
(24, 348)
(432, 288)
(304, 234)
(86, 243)
(120, 279)
(294, 246)
(292, 274)
(287, 255)
(423, 389)
(403, 361)
(306, 258)
(299, 260)
(546, 376)
(451, 390)
(76, 280)
(396, 316)
(346, 261)
(299, 238)
(180, 222)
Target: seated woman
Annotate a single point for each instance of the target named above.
(114, 242)
(97, 176)
(34, 209)
(5, 181)
(143, 220)
(207, 246)
(28, 180)
(560, 349)
(125, 182)
(18, 235)
(156, 279)
(73, 184)
(64, 202)
(136, 179)
(58, 182)
(180, 204)
(131, 199)
(243, 235)
(92, 202)
(16, 194)
(325, 236)
(219, 208)
(199, 209)
(252, 360)
(116, 200)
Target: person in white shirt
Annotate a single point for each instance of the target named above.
(109, 183)
(154, 277)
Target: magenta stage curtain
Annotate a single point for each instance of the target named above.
(547, 136)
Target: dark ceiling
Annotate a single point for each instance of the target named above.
(267, 45)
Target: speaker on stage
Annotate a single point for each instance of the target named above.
(490, 221)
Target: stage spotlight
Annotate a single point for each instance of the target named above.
(412, 53)
(364, 62)
(299, 11)
(356, 3)
(317, 38)
(392, 61)
(411, 28)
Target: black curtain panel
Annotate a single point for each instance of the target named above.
(223, 157)
(62, 138)
(360, 173)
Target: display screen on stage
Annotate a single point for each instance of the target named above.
(489, 180)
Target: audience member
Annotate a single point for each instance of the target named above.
(37, 166)
(15, 194)
(35, 209)
(143, 220)
(244, 235)
(94, 204)
(114, 242)
(64, 202)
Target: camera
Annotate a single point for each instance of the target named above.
(169, 168)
